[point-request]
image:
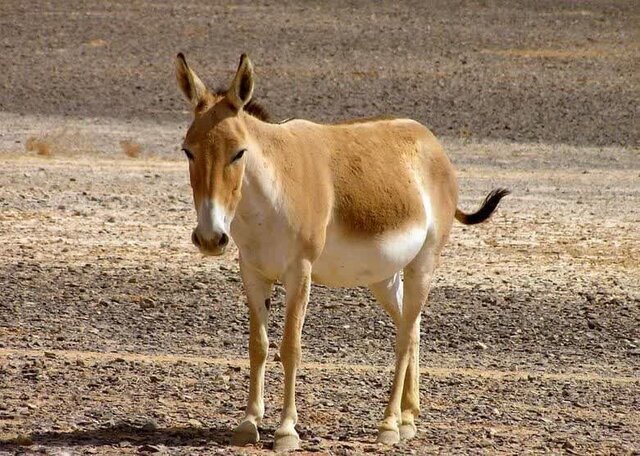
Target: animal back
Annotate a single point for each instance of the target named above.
(375, 188)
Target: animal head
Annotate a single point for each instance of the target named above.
(216, 144)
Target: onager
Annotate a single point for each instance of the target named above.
(365, 202)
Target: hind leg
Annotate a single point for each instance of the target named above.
(403, 302)
(410, 405)
(389, 294)
(417, 282)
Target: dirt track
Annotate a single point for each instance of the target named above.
(117, 338)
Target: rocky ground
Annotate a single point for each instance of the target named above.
(116, 337)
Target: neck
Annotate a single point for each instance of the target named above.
(260, 185)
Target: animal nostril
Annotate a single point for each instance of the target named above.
(194, 239)
(224, 240)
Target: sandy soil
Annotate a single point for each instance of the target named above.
(116, 337)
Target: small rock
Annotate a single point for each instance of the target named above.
(23, 440)
(199, 286)
(593, 324)
(568, 445)
(149, 449)
(223, 379)
(480, 345)
(276, 357)
(486, 443)
(150, 425)
(195, 423)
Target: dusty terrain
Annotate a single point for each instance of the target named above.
(558, 71)
(116, 337)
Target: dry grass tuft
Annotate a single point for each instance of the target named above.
(130, 148)
(40, 146)
(60, 142)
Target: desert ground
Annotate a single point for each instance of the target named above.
(117, 337)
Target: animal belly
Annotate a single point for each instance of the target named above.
(348, 261)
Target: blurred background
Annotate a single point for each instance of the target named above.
(553, 71)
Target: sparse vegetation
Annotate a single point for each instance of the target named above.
(130, 148)
(40, 146)
(63, 141)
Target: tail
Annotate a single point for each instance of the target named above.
(488, 206)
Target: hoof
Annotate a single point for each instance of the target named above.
(245, 434)
(388, 437)
(286, 442)
(407, 431)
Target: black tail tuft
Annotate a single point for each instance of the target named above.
(488, 206)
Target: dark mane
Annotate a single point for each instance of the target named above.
(253, 108)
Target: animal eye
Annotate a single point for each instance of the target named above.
(188, 154)
(239, 155)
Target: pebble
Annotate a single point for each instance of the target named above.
(149, 449)
(150, 425)
(195, 423)
(23, 440)
(480, 345)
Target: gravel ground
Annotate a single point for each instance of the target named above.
(111, 321)
(116, 337)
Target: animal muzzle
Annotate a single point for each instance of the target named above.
(214, 244)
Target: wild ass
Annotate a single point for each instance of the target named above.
(366, 202)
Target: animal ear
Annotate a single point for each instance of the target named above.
(190, 84)
(242, 86)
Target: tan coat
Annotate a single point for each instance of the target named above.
(367, 202)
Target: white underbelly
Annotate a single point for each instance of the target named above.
(350, 261)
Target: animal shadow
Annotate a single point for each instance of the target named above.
(124, 435)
